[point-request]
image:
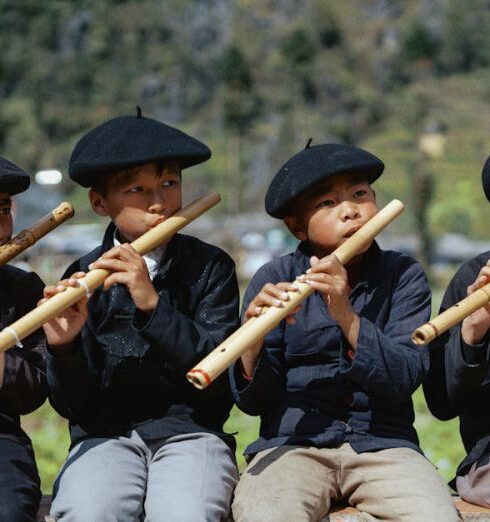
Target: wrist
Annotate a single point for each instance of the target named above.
(472, 332)
(149, 304)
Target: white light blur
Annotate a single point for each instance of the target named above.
(48, 177)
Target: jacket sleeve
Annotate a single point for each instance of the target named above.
(72, 380)
(386, 362)
(456, 369)
(258, 395)
(24, 381)
(214, 318)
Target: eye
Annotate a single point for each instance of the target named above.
(360, 193)
(325, 203)
(169, 183)
(134, 190)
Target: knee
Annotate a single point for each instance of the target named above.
(102, 508)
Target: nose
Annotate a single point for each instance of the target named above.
(349, 210)
(156, 200)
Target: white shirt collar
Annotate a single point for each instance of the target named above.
(152, 258)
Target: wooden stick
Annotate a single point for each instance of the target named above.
(257, 328)
(29, 236)
(150, 240)
(452, 316)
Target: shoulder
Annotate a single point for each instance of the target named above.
(401, 271)
(469, 269)
(28, 285)
(82, 263)
(393, 260)
(13, 275)
(281, 268)
(200, 250)
(465, 276)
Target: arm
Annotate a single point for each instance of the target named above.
(23, 387)
(258, 378)
(182, 340)
(386, 362)
(72, 378)
(458, 366)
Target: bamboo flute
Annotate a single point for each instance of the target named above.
(31, 235)
(452, 316)
(257, 328)
(12, 335)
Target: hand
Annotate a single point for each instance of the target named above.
(329, 277)
(129, 268)
(62, 330)
(476, 325)
(270, 295)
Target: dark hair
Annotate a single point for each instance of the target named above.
(123, 176)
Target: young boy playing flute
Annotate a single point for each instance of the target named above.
(22, 369)
(333, 383)
(458, 380)
(146, 445)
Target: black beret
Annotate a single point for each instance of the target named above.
(129, 141)
(312, 165)
(12, 178)
(485, 178)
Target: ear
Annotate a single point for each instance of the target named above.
(295, 228)
(98, 203)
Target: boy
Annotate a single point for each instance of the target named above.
(145, 444)
(22, 369)
(459, 376)
(333, 384)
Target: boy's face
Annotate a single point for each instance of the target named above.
(5, 217)
(331, 211)
(144, 200)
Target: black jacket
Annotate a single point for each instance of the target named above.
(128, 369)
(306, 388)
(458, 383)
(24, 383)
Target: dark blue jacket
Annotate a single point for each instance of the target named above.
(307, 390)
(127, 370)
(24, 383)
(458, 383)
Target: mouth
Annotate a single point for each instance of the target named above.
(157, 221)
(352, 230)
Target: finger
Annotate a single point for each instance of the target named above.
(112, 264)
(321, 287)
(288, 287)
(275, 291)
(78, 275)
(118, 252)
(329, 265)
(263, 299)
(122, 278)
(314, 260)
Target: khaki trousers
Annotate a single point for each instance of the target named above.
(474, 487)
(293, 483)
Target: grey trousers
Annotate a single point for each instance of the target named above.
(182, 478)
(293, 483)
